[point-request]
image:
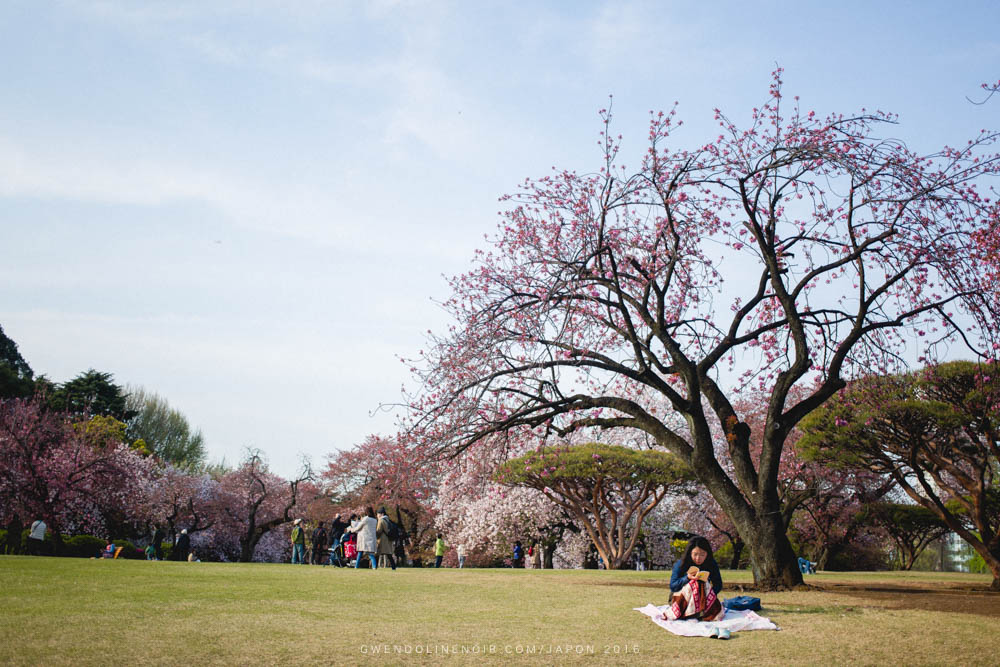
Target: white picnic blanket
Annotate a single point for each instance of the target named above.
(734, 621)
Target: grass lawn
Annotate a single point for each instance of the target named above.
(100, 612)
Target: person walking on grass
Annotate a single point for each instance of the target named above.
(365, 528)
(385, 531)
(439, 549)
(298, 538)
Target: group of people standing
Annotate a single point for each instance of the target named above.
(373, 535)
(181, 549)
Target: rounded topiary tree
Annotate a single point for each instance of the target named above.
(608, 489)
(936, 432)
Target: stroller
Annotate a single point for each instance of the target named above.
(344, 551)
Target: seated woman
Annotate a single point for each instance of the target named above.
(698, 552)
(694, 584)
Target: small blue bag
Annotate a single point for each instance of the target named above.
(742, 602)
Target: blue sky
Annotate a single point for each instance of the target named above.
(248, 207)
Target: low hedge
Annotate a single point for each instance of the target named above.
(83, 546)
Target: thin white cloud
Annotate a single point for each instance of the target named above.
(338, 213)
(434, 112)
(619, 31)
(214, 48)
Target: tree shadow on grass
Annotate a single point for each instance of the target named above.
(728, 590)
(957, 599)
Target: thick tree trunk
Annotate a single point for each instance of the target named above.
(547, 552)
(248, 543)
(762, 529)
(246, 552)
(774, 563)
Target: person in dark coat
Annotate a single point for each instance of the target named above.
(319, 553)
(337, 527)
(399, 546)
(182, 546)
(699, 555)
(14, 529)
(158, 543)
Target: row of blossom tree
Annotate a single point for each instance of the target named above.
(82, 477)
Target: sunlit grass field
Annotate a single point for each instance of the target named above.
(100, 612)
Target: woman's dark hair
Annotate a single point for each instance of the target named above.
(371, 512)
(696, 542)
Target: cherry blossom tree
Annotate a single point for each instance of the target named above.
(824, 504)
(796, 482)
(798, 249)
(834, 515)
(487, 518)
(935, 432)
(389, 472)
(184, 500)
(71, 475)
(256, 501)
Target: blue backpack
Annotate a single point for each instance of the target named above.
(742, 602)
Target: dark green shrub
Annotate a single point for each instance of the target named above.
(129, 550)
(15, 549)
(83, 546)
(858, 557)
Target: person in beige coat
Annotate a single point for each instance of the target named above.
(385, 542)
(365, 529)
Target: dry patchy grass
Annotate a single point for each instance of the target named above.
(70, 611)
